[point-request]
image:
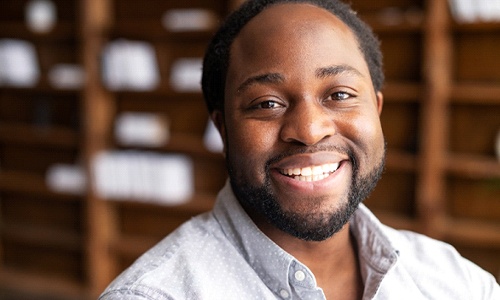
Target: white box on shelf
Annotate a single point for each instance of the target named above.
(177, 20)
(212, 139)
(65, 178)
(142, 129)
(144, 176)
(185, 75)
(130, 65)
(18, 63)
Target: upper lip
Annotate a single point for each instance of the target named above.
(309, 159)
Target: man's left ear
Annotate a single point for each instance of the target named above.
(380, 102)
(218, 120)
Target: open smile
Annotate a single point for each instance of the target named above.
(311, 173)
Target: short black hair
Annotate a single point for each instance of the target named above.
(217, 55)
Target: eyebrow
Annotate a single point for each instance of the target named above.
(336, 70)
(279, 78)
(262, 78)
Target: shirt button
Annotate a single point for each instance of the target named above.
(300, 276)
(284, 294)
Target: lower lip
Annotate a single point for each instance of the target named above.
(334, 180)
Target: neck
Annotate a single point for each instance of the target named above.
(334, 262)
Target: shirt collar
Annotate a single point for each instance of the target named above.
(274, 265)
(269, 261)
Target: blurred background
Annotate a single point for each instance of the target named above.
(106, 145)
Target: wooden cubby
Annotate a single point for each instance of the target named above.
(440, 118)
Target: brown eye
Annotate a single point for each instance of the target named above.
(340, 96)
(268, 104)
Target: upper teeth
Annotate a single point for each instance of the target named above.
(312, 173)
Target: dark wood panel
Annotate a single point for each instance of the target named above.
(395, 193)
(474, 198)
(473, 129)
(400, 124)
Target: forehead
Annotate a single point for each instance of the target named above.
(295, 37)
(287, 20)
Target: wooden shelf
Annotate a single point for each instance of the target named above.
(187, 143)
(476, 93)
(402, 91)
(475, 233)
(401, 161)
(164, 92)
(46, 237)
(473, 166)
(385, 22)
(32, 135)
(19, 30)
(395, 220)
(43, 286)
(153, 30)
(43, 87)
(477, 27)
(30, 184)
(132, 246)
(198, 204)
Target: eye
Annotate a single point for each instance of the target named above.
(340, 96)
(268, 104)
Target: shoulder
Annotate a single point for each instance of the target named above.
(438, 268)
(162, 272)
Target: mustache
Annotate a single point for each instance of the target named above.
(312, 149)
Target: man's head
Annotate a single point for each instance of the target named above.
(218, 52)
(296, 97)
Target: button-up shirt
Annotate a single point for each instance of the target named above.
(223, 255)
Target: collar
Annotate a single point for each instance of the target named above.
(279, 270)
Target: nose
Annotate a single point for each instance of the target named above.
(307, 124)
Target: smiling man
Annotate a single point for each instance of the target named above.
(294, 89)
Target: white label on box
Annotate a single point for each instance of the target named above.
(67, 76)
(41, 15)
(141, 129)
(18, 63)
(130, 65)
(144, 176)
(189, 20)
(66, 179)
(185, 75)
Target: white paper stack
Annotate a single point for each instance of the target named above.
(18, 63)
(130, 65)
(65, 178)
(144, 176)
(212, 139)
(67, 76)
(142, 129)
(178, 20)
(467, 11)
(41, 15)
(185, 75)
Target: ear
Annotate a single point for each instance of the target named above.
(218, 120)
(380, 102)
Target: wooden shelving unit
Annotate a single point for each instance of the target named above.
(440, 118)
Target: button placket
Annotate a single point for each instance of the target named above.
(300, 275)
(284, 294)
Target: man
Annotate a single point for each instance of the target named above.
(294, 89)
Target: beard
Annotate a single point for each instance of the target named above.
(306, 225)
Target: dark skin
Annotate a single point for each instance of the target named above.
(297, 78)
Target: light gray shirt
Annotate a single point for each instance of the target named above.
(223, 255)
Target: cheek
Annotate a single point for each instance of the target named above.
(249, 146)
(365, 132)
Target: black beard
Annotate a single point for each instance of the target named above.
(306, 226)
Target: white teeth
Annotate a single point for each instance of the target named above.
(312, 173)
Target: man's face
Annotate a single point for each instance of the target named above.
(301, 123)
